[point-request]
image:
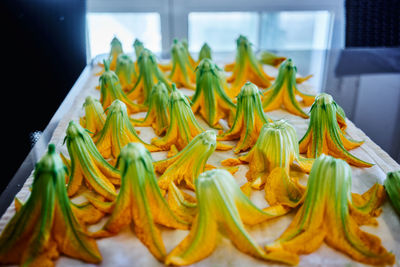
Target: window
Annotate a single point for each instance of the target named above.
(295, 30)
(102, 27)
(221, 29)
(284, 30)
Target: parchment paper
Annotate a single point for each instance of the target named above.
(125, 249)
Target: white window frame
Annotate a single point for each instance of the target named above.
(174, 14)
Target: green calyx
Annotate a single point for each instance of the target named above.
(91, 101)
(50, 163)
(116, 45)
(88, 164)
(205, 52)
(392, 186)
(139, 47)
(116, 50)
(45, 225)
(210, 99)
(242, 41)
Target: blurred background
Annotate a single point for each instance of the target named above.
(351, 47)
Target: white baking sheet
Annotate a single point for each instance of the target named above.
(125, 249)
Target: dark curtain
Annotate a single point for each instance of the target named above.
(44, 52)
(372, 23)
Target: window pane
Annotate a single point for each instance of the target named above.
(102, 27)
(221, 29)
(295, 30)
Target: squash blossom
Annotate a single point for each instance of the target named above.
(188, 55)
(157, 116)
(95, 117)
(117, 132)
(324, 134)
(185, 167)
(183, 126)
(270, 164)
(182, 72)
(269, 58)
(210, 99)
(249, 119)
(138, 47)
(222, 206)
(125, 71)
(282, 93)
(149, 75)
(330, 213)
(45, 226)
(111, 89)
(87, 164)
(205, 52)
(246, 68)
(392, 186)
(116, 50)
(139, 202)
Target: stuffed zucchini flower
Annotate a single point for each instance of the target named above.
(87, 165)
(95, 117)
(139, 202)
(125, 71)
(182, 72)
(248, 120)
(275, 164)
(149, 75)
(223, 208)
(325, 134)
(330, 213)
(157, 116)
(210, 99)
(45, 226)
(117, 132)
(246, 68)
(282, 93)
(111, 89)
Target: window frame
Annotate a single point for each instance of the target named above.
(174, 14)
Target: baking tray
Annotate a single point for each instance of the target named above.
(125, 249)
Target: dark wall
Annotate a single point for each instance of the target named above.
(44, 52)
(372, 23)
